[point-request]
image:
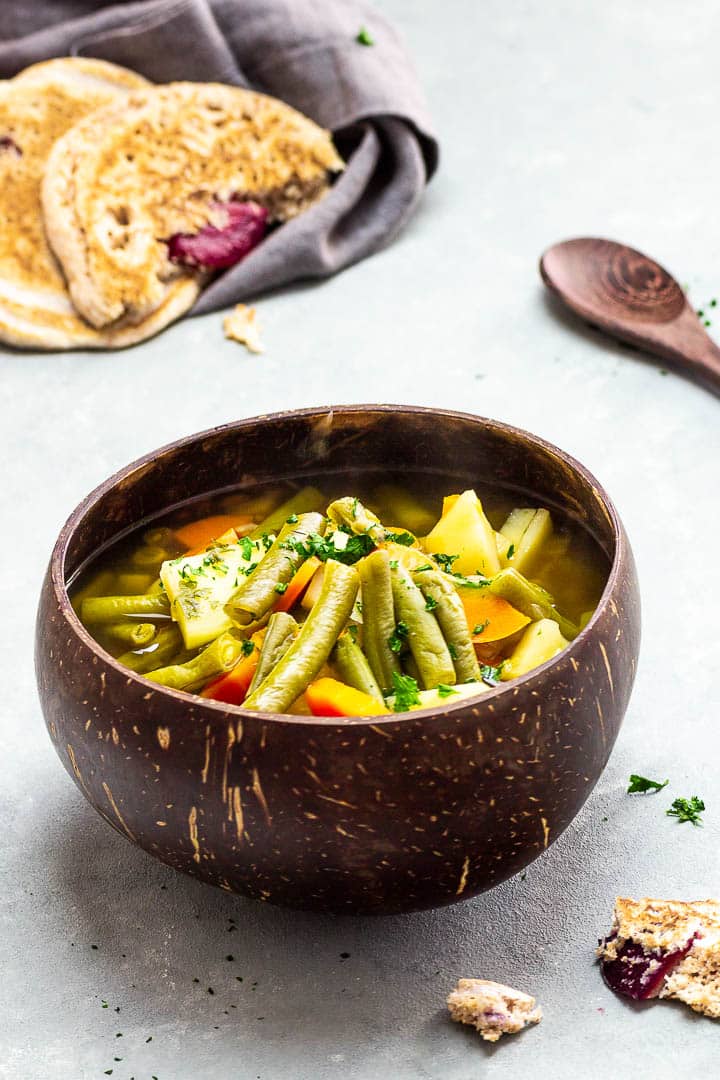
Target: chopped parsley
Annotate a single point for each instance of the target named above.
(324, 548)
(393, 564)
(247, 647)
(642, 784)
(405, 538)
(444, 690)
(281, 587)
(430, 604)
(246, 547)
(423, 568)
(510, 552)
(481, 626)
(445, 561)
(687, 810)
(354, 510)
(406, 692)
(364, 37)
(292, 520)
(490, 675)
(399, 636)
(452, 650)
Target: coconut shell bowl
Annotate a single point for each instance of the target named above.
(376, 815)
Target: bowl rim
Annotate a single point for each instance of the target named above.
(490, 695)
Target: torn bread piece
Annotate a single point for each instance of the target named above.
(176, 181)
(492, 1008)
(665, 949)
(241, 325)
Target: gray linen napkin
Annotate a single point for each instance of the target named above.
(303, 51)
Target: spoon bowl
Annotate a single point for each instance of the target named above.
(633, 299)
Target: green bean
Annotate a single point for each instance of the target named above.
(530, 599)
(98, 585)
(352, 514)
(148, 558)
(167, 648)
(450, 614)
(279, 636)
(378, 617)
(134, 634)
(410, 667)
(302, 502)
(353, 667)
(132, 582)
(313, 645)
(108, 609)
(220, 656)
(427, 644)
(257, 594)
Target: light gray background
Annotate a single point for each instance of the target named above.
(555, 120)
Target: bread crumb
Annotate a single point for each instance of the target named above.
(491, 1008)
(241, 325)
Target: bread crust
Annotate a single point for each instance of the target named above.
(129, 176)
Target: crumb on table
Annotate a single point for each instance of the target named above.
(241, 325)
(492, 1008)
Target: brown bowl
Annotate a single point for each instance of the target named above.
(382, 815)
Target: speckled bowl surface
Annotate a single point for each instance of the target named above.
(382, 815)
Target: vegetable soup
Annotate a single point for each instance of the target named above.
(353, 595)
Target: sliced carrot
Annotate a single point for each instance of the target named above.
(233, 687)
(328, 697)
(297, 584)
(496, 616)
(196, 535)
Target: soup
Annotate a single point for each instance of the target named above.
(354, 595)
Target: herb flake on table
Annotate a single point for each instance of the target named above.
(687, 810)
(641, 784)
(364, 37)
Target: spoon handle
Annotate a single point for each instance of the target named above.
(683, 344)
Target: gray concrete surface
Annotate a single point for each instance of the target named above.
(555, 120)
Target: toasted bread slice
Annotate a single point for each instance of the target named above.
(36, 108)
(665, 949)
(129, 177)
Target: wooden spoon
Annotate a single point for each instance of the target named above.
(632, 298)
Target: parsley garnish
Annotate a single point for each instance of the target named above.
(405, 538)
(479, 627)
(363, 37)
(291, 520)
(490, 675)
(393, 564)
(323, 547)
(406, 692)
(420, 569)
(444, 690)
(510, 551)
(687, 810)
(354, 508)
(399, 636)
(642, 784)
(246, 547)
(445, 561)
(281, 587)
(430, 604)
(452, 650)
(247, 647)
